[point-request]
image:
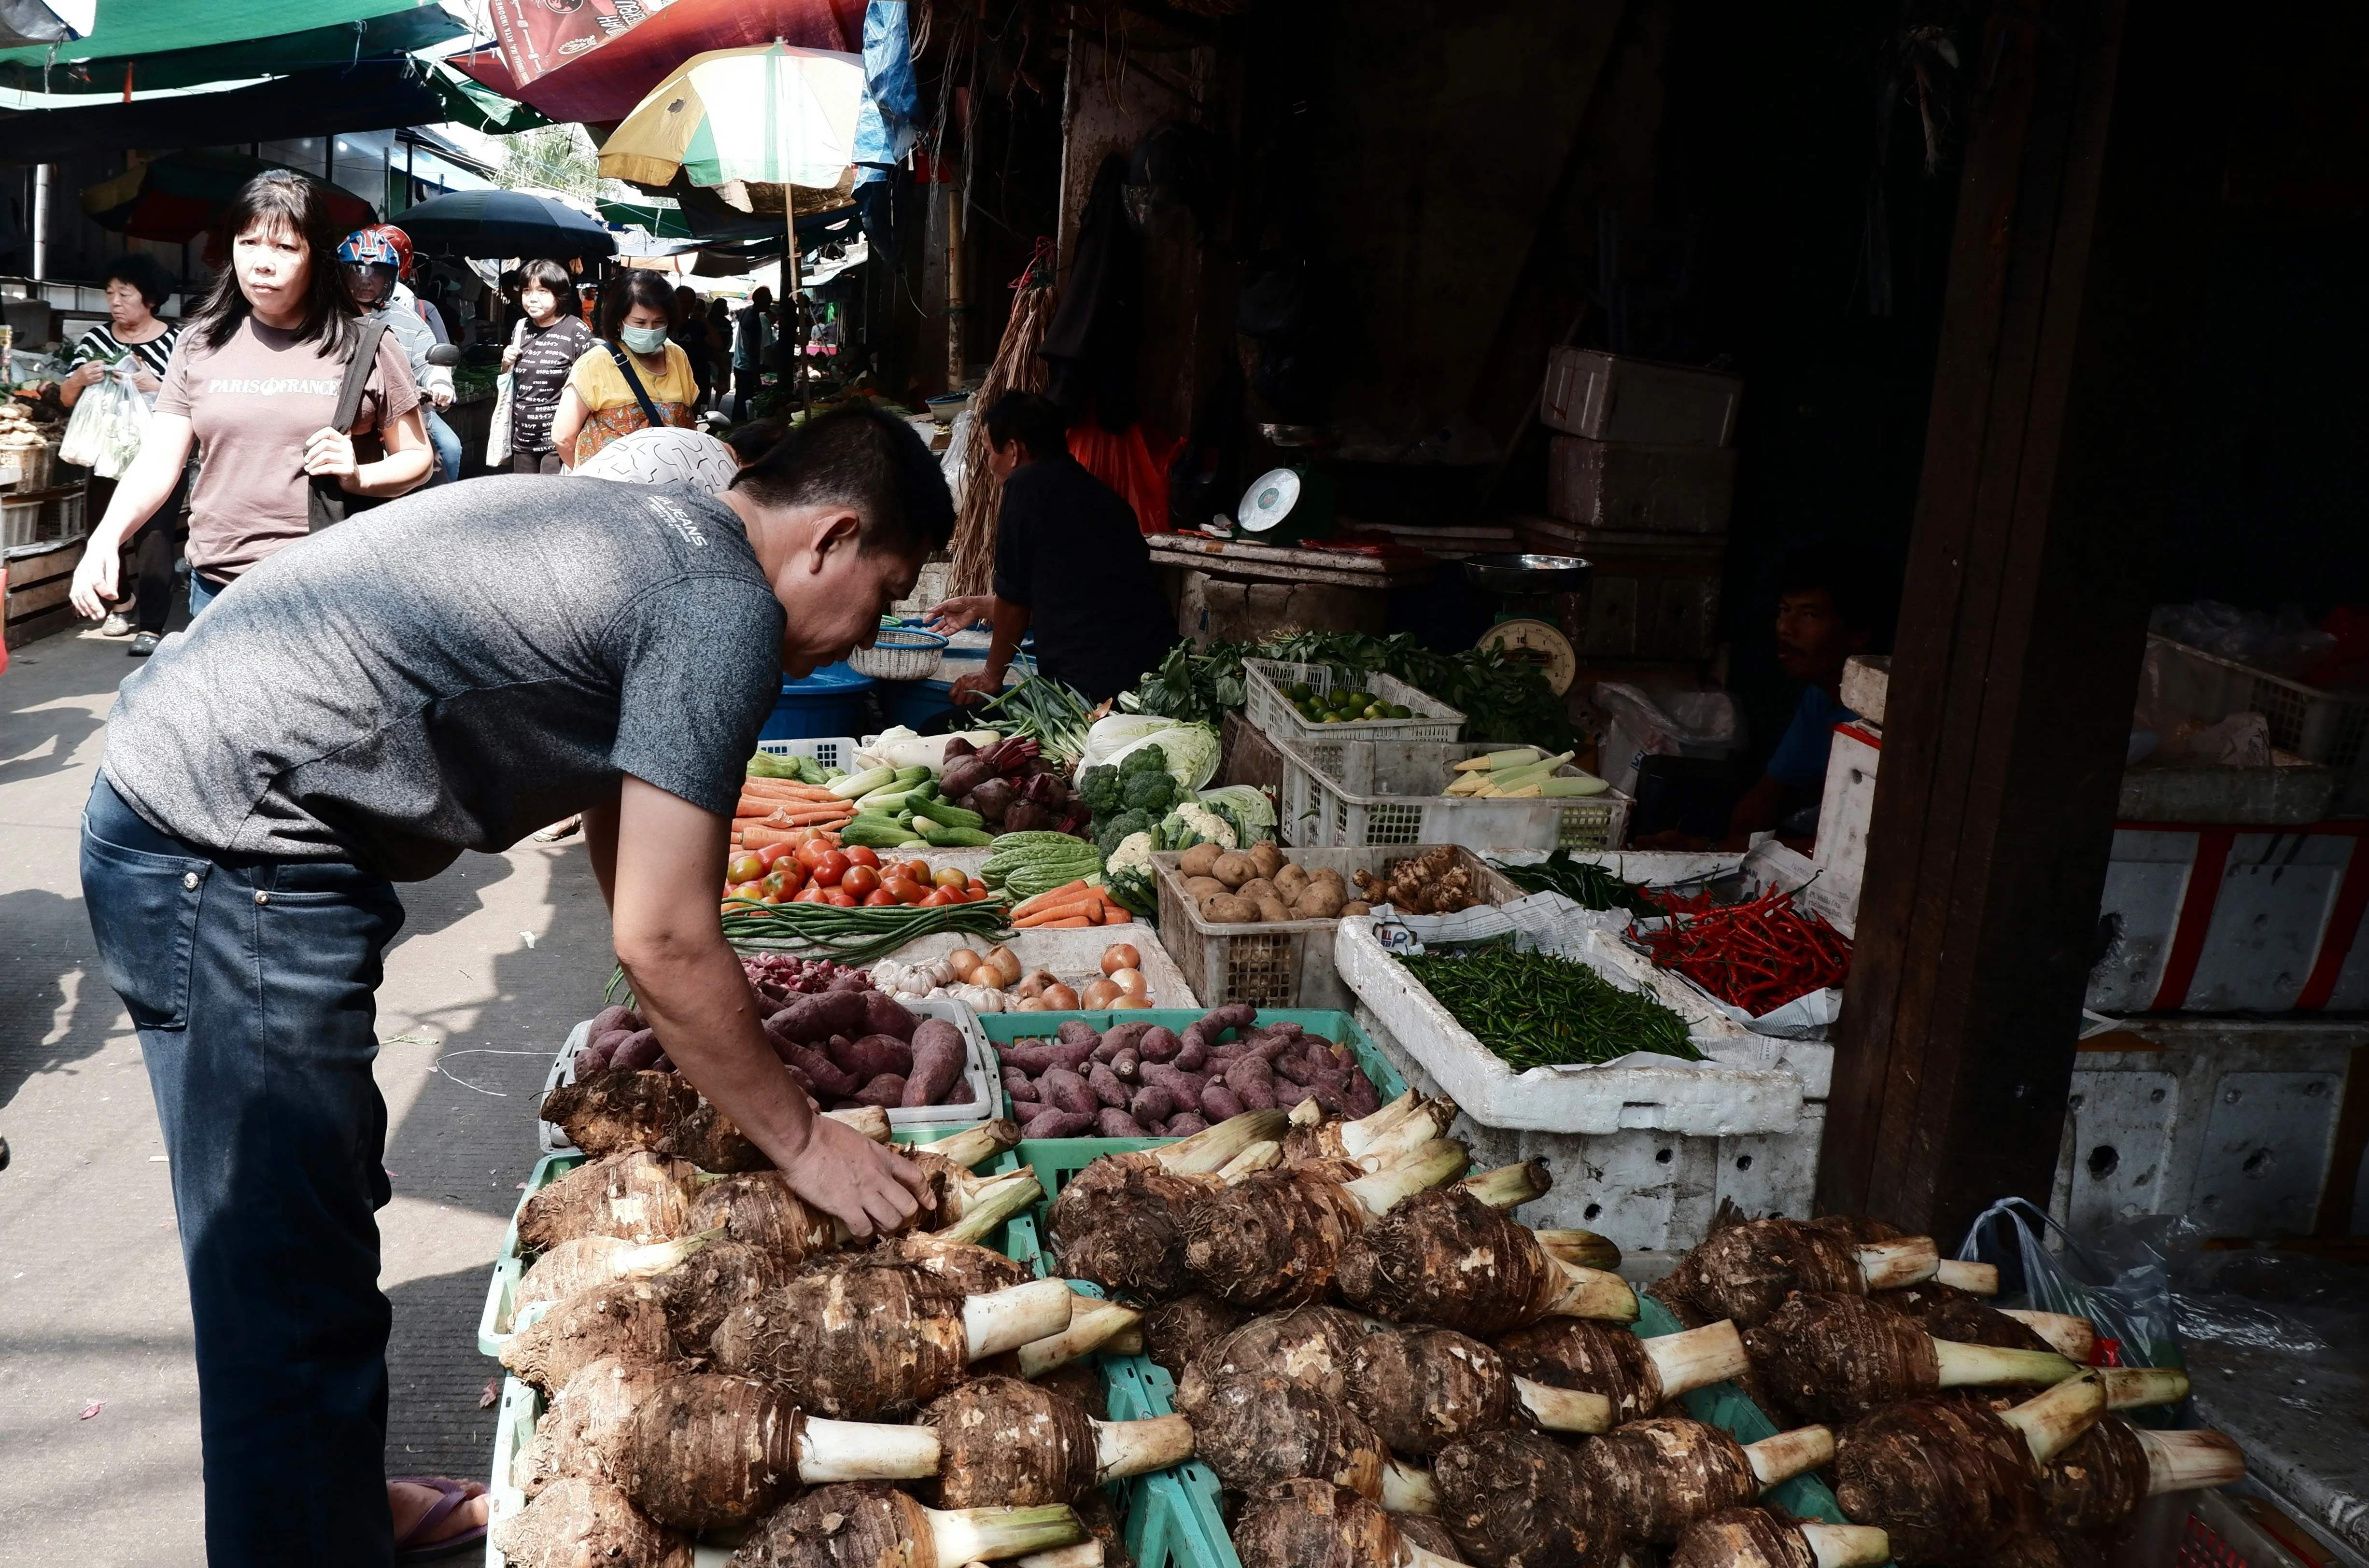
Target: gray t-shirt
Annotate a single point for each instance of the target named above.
(454, 670)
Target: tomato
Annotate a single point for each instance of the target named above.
(777, 888)
(862, 854)
(949, 876)
(744, 868)
(879, 897)
(860, 880)
(810, 854)
(904, 889)
(826, 870)
(977, 889)
(918, 870)
(839, 896)
(792, 874)
(773, 854)
(808, 895)
(939, 899)
(744, 890)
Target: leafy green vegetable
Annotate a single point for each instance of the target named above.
(1151, 792)
(1099, 787)
(1151, 759)
(1246, 809)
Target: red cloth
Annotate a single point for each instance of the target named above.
(1133, 461)
(601, 86)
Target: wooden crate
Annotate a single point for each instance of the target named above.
(38, 581)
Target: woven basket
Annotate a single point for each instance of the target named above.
(902, 653)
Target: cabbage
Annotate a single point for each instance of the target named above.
(1117, 732)
(1247, 808)
(1191, 748)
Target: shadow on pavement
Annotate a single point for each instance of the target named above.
(44, 938)
(436, 1376)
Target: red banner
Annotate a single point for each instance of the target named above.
(538, 37)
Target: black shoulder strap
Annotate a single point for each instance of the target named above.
(649, 410)
(357, 370)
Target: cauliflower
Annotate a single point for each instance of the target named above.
(1134, 851)
(1193, 823)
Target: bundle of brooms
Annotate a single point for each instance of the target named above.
(1016, 369)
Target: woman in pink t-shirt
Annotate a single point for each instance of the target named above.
(254, 383)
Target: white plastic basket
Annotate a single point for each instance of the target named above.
(1387, 792)
(827, 750)
(901, 653)
(2316, 724)
(1265, 681)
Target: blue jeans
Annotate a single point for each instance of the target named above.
(447, 442)
(250, 982)
(201, 593)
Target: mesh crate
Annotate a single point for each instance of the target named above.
(827, 750)
(1386, 793)
(1286, 963)
(1267, 707)
(2316, 724)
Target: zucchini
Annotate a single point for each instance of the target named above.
(944, 837)
(875, 832)
(855, 786)
(915, 774)
(947, 813)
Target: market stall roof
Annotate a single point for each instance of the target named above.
(127, 28)
(373, 94)
(397, 32)
(180, 195)
(603, 86)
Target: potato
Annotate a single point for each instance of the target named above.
(1357, 907)
(1271, 908)
(1227, 910)
(1199, 859)
(1257, 887)
(1232, 869)
(1289, 882)
(1266, 857)
(1321, 901)
(1327, 874)
(1200, 889)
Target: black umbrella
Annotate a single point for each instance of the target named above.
(498, 223)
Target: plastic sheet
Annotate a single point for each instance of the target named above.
(2119, 1278)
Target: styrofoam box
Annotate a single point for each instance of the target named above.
(979, 1069)
(1612, 397)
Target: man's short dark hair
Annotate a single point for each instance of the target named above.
(1863, 589)
(757, 437)
(144, 272)
(868, 460)
(1031, 418)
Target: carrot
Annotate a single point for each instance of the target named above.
(1073, 924)
(1085, 911)
(1058, 895)
(1116, 915)
(784, 787)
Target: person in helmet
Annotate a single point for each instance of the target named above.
(374, 265)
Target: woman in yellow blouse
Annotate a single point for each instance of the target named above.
(631, 379)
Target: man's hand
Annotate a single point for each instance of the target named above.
(855, 1180)
(960, 613)
(980, 685)
(94, 589)
(441, 399)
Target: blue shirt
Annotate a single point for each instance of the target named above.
(1800, 760)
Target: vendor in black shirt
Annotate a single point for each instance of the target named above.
(1070, 558)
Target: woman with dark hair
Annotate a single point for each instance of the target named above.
(551, 336)
(136, 285)
(691, 331)
(632, 380)
(254, 385)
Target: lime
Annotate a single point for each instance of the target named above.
(1400, 710)
(1301, 691)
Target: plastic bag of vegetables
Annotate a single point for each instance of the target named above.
(109, 422)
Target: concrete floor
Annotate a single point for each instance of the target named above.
(498, 957)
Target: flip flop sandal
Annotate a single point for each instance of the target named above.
(412, 1547)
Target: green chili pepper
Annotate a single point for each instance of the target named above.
(1536, 1010)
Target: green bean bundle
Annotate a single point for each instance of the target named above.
(1536, 1010)
(858, 936)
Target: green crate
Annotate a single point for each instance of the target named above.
(1003, 1028)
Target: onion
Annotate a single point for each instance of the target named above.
(1120, 956)
(1059, 998)
(1029, 1005)
(1030, 989)
(1131, 982)
(1130, 999)
(962, 961)
(1099, 995)
(1006, 965)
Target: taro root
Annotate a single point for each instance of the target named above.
(708, 1452)
(1312, 1346)
(1095, 1325)
(2045, 1549)
(1091, 1194)
(700, 1294)
(1946, 1312)
(1450, 1258)
(637, 1195)
(1257, 1432)
(1003, 1441)
(760, 1208)
(1745, 1272)
(859, 1343)
(1371, 1142)
(1139, 1247)
(587, 1417)
(1753, 1538)
(867, 1525)
(591, 1261)
(620, 1109)
(1314, 1524)
(625, 1321)
(1637, 1377)
(1513, 1499)
(1175, 1333)
(1947, 1478)
(2101, 1478)
(709, 1139)
(1659, 1476)
(2076, 1339)
(576, 1522)
(1421, 1391)
(1427, 1532)
(1276, 1238)
(1837, 1358)
(973, 1269)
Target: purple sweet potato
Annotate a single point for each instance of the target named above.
(1017, 1083)
(1057, 1122)
(820, 1069)
(1121, 1037)
(1219, 1103)
(640, 1049)
(1192, 1057)
(1217, 1021)
(1126, 1066)
(1186, 1086)
(1062, 1087)
(608, 1018)
(1186, 1125)
(852, 981)
(937, 1062)
(813, 1018)
(1253, 1081)
(1151, 1105)
(1114, 1123)
(1108, 1087)
(1077, 1031)
(873, 1056)
(610, 1039)
(887, 1091)
(590, 1060)
(1299, 1070)
(960, 1095)
(1361, 1098)
(885, 1015)
(1160, 1044)
(1043, 1056)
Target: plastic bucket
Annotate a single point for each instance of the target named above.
(828, 701)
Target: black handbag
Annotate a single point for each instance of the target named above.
(649, 410)
(330, 503)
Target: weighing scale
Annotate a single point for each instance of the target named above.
(1294, 503)
(1527, 629)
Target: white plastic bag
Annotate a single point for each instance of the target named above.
(1684, 723)
(109, 422)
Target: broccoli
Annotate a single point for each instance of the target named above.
(1110, 833)
(1150, 793)
(1143, 759)
(1100, 786)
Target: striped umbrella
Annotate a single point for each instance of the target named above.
(770, 116)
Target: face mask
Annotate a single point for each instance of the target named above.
(643, 339)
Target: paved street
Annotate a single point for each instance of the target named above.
(497, 958)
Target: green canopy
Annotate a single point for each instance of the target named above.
(127, 28)
(397, 32)
(478, 106)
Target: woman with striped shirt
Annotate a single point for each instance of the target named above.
(136, 285)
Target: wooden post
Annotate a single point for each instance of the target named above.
(956, 305)
(2085, 204)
